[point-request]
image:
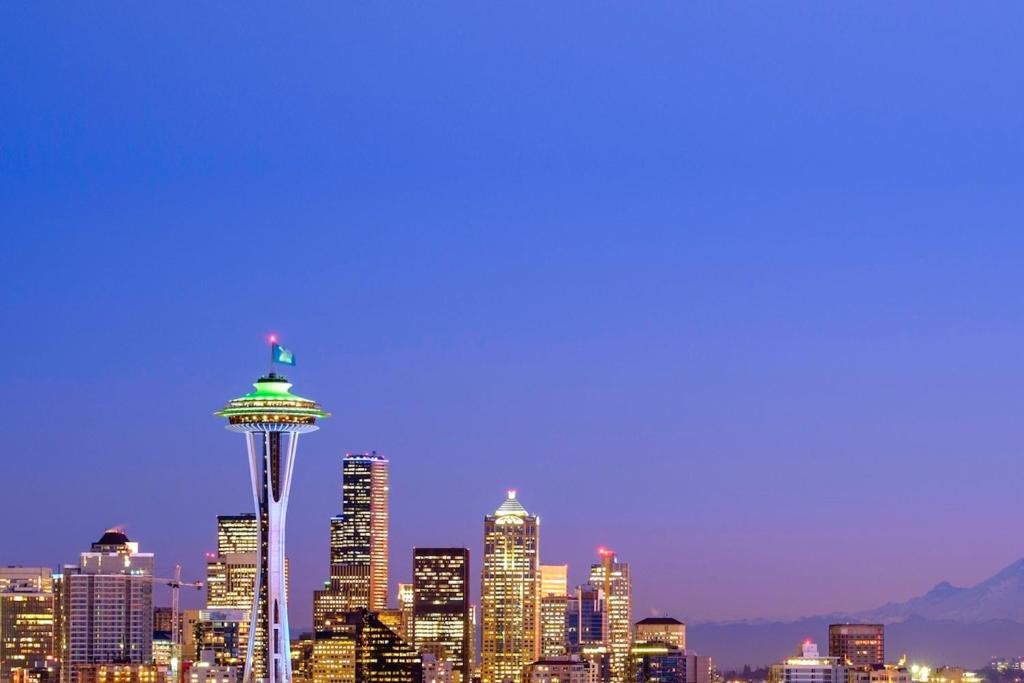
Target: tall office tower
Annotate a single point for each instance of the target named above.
(613, 578)
(26, 619)
(591, 626)
(359, 538)
(237, 534)
(271, 418)
(554, 601)
(553, 635)
(661, 630)
(808, 667)
(441, 622)
(572, 624)
(108, 600)
(858, 645)
(554, 579)
(509, 586)
(231, 574)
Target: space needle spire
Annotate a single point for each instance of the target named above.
(271, 418)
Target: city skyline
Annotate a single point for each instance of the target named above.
(701, 281)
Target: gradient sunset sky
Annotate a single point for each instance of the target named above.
(733, 288)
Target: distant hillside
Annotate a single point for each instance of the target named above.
(947, 625)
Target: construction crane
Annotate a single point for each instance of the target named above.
(176, 584)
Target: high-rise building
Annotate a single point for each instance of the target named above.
(591, 625)
(108, 601)
(359, 537)
(553, 635)
(26, 619)
(614, 580)
(231, 575)
(808, 667)
(510, 583)
(441, 622)
(554, 600)
(661, 630)
(554, 579)
(271, 418)
(857, 645)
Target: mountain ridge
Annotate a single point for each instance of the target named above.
(947, 625)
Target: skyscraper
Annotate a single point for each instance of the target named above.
(358, 565)
(231, 574)
(441, 622)
(359, 537)
(109, 605)
(614, 580)
(858, 645)
(510, 583)
(271, 419)
(26, 618)
(554, 579)
(554, 601)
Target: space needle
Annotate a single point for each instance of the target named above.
(265, 416)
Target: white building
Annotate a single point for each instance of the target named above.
(109, 605)
(808, 667)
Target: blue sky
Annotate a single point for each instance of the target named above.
(733, 288)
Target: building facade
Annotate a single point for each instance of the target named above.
(615, 582)
(857, 645)
(26, 619)
(359, 537)
(656, 662)
(441, 621)
(660, 630)
(120, 673)
(510, 583)
(808, 667)
(565, 669)
(109, 609)
(554, 602)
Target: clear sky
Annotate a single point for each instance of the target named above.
(734, 288)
